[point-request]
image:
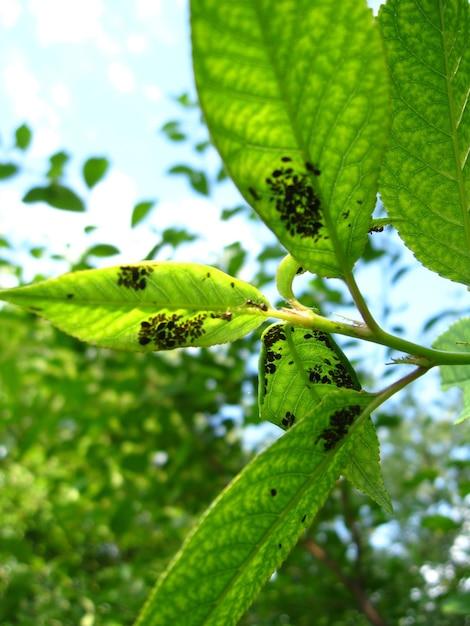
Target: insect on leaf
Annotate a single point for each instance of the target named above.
(147, 306)
(296, 98)
(253, 525)
(297, 369)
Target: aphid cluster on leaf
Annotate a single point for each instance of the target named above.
(296, 200)
(133, 276)
(339, 426)
(171, 331)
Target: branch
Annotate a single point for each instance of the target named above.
(366, 605)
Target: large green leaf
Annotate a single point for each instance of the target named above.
(425, 183)
(457, 339)
(250, 529)
(297, 369)
(147, 306)
(295, 94)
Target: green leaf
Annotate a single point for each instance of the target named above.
(440, 523)
(425, 182)
(296, 99)
(456, 339)
(253, 525)
(297, 369)
(23, 136)
(140, 212)
(57, 163)
(8, 170)
(94, 170)
(147, 306)
(56, 196)
(363, 467)
(103, 250)
(172, 131)
(197, 179)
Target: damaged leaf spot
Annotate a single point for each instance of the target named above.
(295, 199)
(273, 492)
(339, 426)
(69, 296)
(171, 331)
(303, 519)
(273, 335)
(254, 194)
(134, 276)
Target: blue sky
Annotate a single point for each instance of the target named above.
(95, 77)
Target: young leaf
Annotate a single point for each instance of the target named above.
(56, 196)
(94, 169)
(297, 369)
(425, 183)
(23, 136)
(295, 95)
(140, 212)
(147, 306)
(253, 525)
(456, 339)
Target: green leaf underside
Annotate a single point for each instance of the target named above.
(252, 526)
(296, 100)
(297, 369)
(147, 306)
(457, 339)
(426, 177)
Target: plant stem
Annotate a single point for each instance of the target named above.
(368, 608)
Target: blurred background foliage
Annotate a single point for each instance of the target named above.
(107, 459)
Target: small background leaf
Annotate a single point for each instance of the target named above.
(140, 212)
(56, 196)
(456, 339)
(103, 250)
(94, 170)
(147, 306)
(23, 136)
(425, 183)
(8, 170)
(196, 178)
(57, 161)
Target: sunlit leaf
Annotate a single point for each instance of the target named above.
(296, 98)
(196, 178)
(425, 183)
(253, 525)
(297, 369)
(147, 306)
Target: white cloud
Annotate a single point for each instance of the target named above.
(10, 11)
(152, 92)
(121, 77)
(60, 95)
(72, 21)
(148, 8)
(136, 43)
(21, 86)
